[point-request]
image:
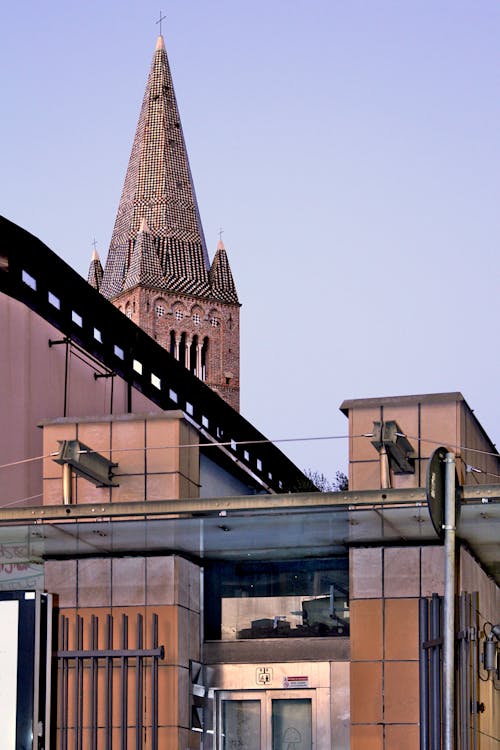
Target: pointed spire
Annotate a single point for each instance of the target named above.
(221, 279)
(145, 268)
(95, 271)
(159, 187)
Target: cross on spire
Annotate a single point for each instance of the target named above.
(161, 18)
(94, 243)
(221, 232)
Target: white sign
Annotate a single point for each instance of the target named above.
(263, 675)
(9, 617)
(296, 682)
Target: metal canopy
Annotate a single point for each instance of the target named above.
(257, 527)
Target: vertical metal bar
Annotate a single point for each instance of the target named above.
(435, 676)
(48, 669)
(124, 685)
(94, 644)
(77, 682)
(138, 686)
(108, 704)
(63, 691)
(154, 687)
(79, 687)
(449, 606)
(423, 617)
(467, 675)
(474, 665)
(462, 670)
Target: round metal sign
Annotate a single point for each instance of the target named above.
(436, 490)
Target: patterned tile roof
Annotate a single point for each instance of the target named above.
(221, 279)
(95, 271)
(144, 265)
(159, 188)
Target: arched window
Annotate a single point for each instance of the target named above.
(171, 347)
(192, 355)
(204, 352)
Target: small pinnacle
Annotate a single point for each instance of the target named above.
(220, 245)
(95, 255)
(160, 44)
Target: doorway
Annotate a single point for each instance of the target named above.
(266, 720)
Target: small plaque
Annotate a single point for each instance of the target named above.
(296, 682)
(263, 675)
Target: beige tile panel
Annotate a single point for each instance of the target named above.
(366, 692)
(401, 571)
(86, 492)
(189, 463)
(160, 582)
(366, 629)
(160, 435)
(128, 581)
(364, 475)
(97, 435)
(366, 737)
(187, 584)
(365, 573)
(189, 636)
(401, 629)
(361, 423)
(401, 696)
(131, 489)
(340, 708)
(94, 582)
(439, 423)
(432, 571)
(402, 737)
(162, 486)
(129, 434)
(60, 579)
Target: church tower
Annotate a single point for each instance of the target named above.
(158, 270)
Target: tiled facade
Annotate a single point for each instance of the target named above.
(158, 267)
(386, 582)
(168, 587)
(151, 465)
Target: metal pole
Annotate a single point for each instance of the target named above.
(423, 612)
(67, 485)
(449, 606)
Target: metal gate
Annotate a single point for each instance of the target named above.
(466, 650)
(102, 688)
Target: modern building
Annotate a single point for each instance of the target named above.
(169, 580)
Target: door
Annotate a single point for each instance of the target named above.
(266, 720)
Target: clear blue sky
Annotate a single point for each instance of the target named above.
(350, 150)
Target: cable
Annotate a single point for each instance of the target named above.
(22, 500)
(263, 441)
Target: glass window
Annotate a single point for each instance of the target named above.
(292, 598)
(160, 311)
(292, 724)
(240, 725)
(179, 315)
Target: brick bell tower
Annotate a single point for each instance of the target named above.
(158, 270)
